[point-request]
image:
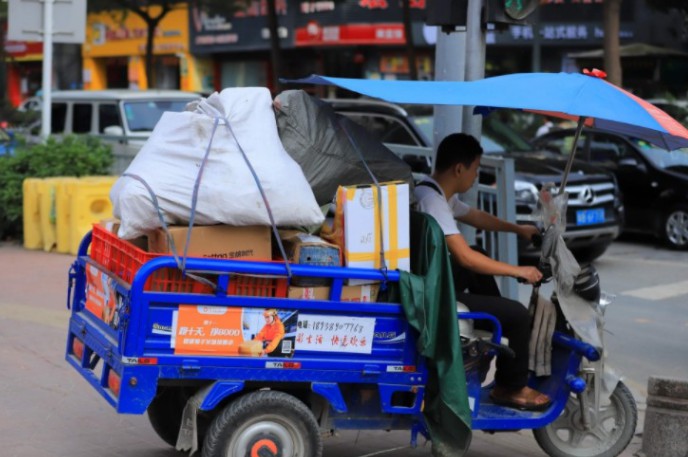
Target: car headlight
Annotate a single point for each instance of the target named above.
(526, 193)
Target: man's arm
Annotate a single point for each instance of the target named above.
(475, 261)
(486, 221)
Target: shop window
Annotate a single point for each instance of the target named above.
(82, 115)
(108, 115)
(58, 117)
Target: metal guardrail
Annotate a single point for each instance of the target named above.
(498, 199)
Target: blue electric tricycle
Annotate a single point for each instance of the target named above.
(182, 357)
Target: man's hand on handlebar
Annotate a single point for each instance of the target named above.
(528, 232)
(530, 275)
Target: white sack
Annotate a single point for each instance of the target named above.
(170, 160)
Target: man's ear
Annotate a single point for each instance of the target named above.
(458, 169)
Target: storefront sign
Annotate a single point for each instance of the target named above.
(112, 34)
(317, 23)
(556, 33)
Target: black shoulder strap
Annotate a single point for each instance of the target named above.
(431, 185)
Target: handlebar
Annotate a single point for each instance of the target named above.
(543, 265)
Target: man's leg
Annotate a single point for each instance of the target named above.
(512, 373)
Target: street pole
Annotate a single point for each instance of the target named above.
(47, 67)
(475, 69)
(450, 65)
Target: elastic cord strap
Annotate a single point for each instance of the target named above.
(180, 262)
(383, 263)
(265, 199)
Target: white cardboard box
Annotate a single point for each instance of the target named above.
(363, 236)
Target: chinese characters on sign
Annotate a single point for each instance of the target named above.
(207, 329)
(555, 32)
(335, 333)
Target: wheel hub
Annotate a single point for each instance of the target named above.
(677, 228)
(265, 446)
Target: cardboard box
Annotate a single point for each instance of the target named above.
(364, 293)
(216, 241)
(305, 249)
(112, 225)
(363, 236)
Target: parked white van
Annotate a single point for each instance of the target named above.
(123, 118)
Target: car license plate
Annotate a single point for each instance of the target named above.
(590, 216)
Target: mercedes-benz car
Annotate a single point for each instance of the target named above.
(654, 182)
(595, 210)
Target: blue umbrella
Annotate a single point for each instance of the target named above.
(586, 98)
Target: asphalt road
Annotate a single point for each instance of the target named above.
(50, 411)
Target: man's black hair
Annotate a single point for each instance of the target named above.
(457, 148)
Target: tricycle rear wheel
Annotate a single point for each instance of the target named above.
(265, 422)
(608, 436)
(165, 412)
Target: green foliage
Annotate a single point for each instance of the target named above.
(72, 156)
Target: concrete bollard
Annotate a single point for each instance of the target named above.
(665, 433)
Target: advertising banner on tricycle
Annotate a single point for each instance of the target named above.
(258, 332)
(101, 296)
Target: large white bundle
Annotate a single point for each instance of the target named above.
(170, 161)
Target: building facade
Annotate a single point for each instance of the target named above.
(205, 51)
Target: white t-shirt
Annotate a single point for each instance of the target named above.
(435, 204)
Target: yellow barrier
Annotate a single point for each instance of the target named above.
(58, 212)
(46, 204)
(63, 217)
(89, 202)
(33, 238)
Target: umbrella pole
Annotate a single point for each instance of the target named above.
(574, 147)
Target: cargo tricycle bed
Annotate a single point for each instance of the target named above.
(197, 358)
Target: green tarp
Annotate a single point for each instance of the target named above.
(429, 301)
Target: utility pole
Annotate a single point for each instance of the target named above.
(450, 65)
(47, 82)
(460, 56)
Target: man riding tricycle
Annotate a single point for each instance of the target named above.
(377, 347)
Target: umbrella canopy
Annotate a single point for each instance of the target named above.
(565, 95)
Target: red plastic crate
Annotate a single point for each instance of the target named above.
(124, 259)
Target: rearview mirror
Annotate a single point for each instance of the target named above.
(628, 162)
(114, 130)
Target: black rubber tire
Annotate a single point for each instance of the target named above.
(626, 418)
(165, 412)
(273, 418)
(674, 218)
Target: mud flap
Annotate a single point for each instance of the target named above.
(187, 440)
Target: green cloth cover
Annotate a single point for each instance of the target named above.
(429, 301)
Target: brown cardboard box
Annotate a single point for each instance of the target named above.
(305, 249)
(361, 294)
(112, 225)
(216, 241)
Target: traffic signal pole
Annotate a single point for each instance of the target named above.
(475, 69)
(460, 56)
(450, 65)
(46, 108)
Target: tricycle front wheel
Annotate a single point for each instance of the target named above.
(264, 423)
(609, 434)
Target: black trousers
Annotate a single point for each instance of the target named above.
(480, 294)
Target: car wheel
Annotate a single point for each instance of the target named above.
(675, 227)
(590, 253)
